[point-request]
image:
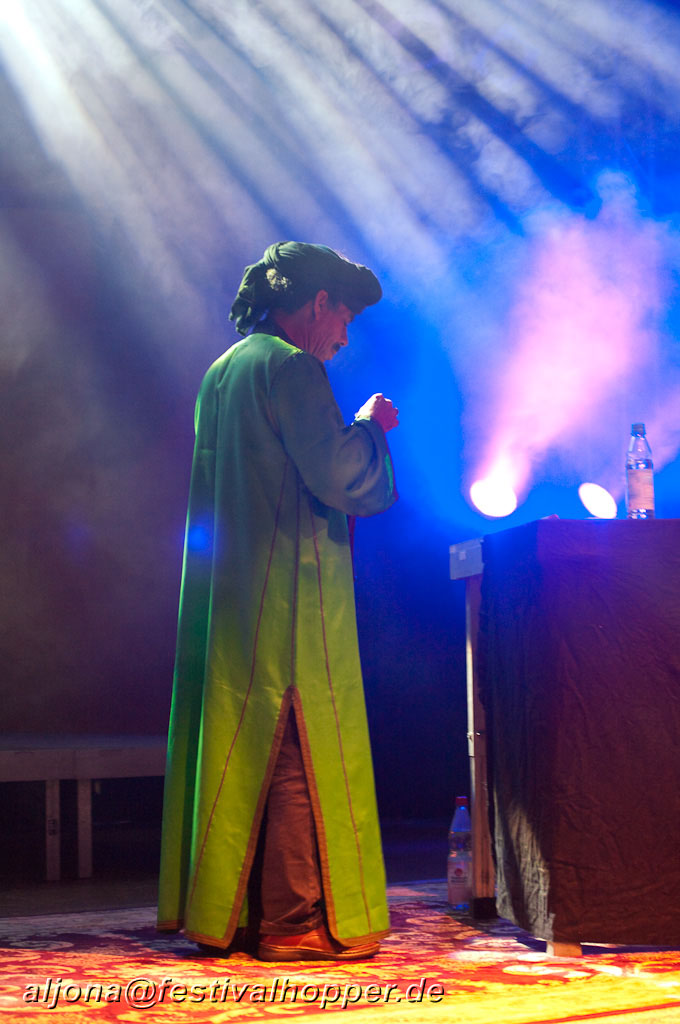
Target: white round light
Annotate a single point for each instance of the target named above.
(493, 498)
(598, 501)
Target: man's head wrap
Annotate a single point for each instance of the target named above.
(291, 273)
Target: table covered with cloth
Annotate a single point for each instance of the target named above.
(579, 652)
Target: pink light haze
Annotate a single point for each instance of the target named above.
(581, 328)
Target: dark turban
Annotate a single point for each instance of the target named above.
(291, 273)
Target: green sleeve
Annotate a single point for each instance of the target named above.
(346, 467)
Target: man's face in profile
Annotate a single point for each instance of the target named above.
(330, 329)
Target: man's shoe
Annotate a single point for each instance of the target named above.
(314, 945)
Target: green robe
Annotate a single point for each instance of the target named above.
(267, 619)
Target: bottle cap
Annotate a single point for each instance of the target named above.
(638, 428)
(461, 801)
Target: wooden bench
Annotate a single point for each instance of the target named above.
(27, 758)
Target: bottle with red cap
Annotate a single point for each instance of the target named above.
(459, 864)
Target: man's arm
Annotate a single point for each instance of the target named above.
(346, 467)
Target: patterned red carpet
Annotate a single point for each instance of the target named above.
(114, 966)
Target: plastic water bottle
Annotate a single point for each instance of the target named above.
(459, 864)
(639, 475)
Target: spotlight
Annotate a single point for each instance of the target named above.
(493, 497)
(598, 501)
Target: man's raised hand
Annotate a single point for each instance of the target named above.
(382, 410)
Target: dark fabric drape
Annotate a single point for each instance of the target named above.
(580, 675)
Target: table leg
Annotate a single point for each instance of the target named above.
(483, 873)
(52, 831)
(564, 949)
(84, 828)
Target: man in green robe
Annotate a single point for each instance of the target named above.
(268, 736)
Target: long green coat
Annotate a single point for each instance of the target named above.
(267, 619)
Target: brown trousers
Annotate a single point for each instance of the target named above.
(291, 893)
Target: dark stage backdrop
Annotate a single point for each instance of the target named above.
(98, 441)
